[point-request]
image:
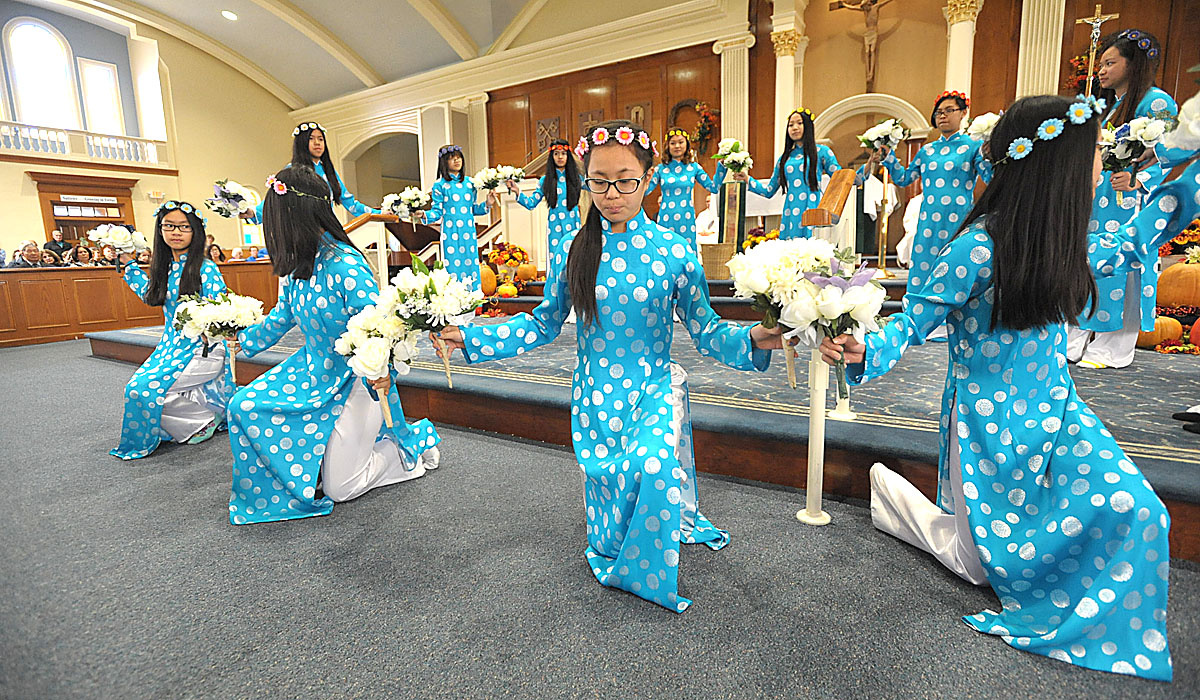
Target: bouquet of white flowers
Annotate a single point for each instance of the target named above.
(981, 127)
(886, 134)
(490, 179)
(849, 301)
(734, 156)
(120, 238)
(230, 199)
(409, 200)
(377, 340)
(1121, 147)
(219, 317)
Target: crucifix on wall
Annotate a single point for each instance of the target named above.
(870, 10)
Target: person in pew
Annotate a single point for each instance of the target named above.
(144, 257)
(181, 391)
(56, 243)
(214, 253)
(310, 150)
(236, 255)
(677, 175)
(560, 187)
(1035, 496)
(797, 173)
(306, 434)
(627, 278)
(26, 255)
(82, 256)
(454, 205)
(109, 257)
(51, 258)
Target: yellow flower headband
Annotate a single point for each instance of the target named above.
(803, 110)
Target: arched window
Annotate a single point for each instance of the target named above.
(41, 72)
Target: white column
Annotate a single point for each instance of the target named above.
(960, 43)
(1040, 53)
(790, 43)
(735, 85)
(477, 129)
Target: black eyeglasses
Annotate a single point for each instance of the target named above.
(625, 185)
(182, 228)
(946, 112)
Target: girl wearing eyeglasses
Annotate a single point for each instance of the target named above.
(455, 206)
(947, 170)
(627, 277)
(677, 176)
(180, 392)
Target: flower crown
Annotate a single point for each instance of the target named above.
(449, 149)
(625, 136)
(676, 131)
(560, 147)
(1142, 40)
(803, 110)
(1081, 110)
(280, 188)
(952, 93)
(181, 206)
(306, 126)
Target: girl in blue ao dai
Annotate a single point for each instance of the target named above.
(309, 422)
(627, 278)
(180, 392)
(454, 205)
(1036, 497)
(560, 188)
(1125, 304)
(309, 149)
(677, 176)
(798, 173)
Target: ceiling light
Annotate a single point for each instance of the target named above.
(229, 15)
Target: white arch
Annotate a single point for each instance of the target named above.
(871, 103)
(69, 65)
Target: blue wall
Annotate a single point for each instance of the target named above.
(87, 41)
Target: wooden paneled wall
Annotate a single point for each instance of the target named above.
(49, 304)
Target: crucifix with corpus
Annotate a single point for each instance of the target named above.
(1097, 19)
(870, 10)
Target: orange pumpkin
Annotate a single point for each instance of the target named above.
(1165, 328)
(1179, 284)
(507, 290)
(1194, 336)
(487, 280)
(527, 272)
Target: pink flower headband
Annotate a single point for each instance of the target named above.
(624, 136)
(278, 187)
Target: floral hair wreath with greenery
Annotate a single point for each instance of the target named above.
(181, 206)
(624, 136)
(277, 186)
(1081, 110)
(1143, 42)
(307, 126)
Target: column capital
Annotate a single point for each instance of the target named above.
(480, 99)
(785, 42)
(743, 41)
(962, 10)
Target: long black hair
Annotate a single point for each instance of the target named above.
(809, 143)
(583, 261)
(1143, 63)
(163, 256)
(301, 156)
(443, 169)
(293, 223)
(1036, 211)
(550, 181)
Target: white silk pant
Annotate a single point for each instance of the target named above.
(355, 461)
(1112, 348)
(901, 510)
(186, 408)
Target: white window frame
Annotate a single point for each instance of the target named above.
(9, 28)
(116, 84)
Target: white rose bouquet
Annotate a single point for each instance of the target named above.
(218, 317)
(429, 299)
(734, 156)
(377, 341)
(886, 134)
(230, 199)
(849, 301)
(120, 238)
(1120, 148)
(981, 127)
(490, 179)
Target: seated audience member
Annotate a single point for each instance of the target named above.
(57, 244)
(82, 256)
(143, 257)
(51, 258)
(3, 256)
(214, 253)
(108, 256)
(253, 253)
(237, 255)
(26, 255)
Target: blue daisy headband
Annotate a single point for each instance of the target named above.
(1142, 40)
(449, 149)
(181, 206)
(308, 126)
(1081, 110)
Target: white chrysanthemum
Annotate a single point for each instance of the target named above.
(982, 126)
(1187, 135)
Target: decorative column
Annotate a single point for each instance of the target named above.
(960, 42)
(735, 85)
(477, 132)
(790, 43)
(1039, 57)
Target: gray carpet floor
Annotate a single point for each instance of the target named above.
(125, 580)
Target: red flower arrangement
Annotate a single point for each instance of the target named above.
(1178, 245)
(508, 254)
(1076, 82)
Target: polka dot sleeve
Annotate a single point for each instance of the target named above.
(481, 207)
(136, 279)
(438, 197)
(722, 340)
(531, 200)
(1169, 210)
(259, 337)
(903, 177)
(712, 184)
(212, 282)
(653, 184)
(963, 270)
(828, 162)
(768, 190)
(352, 205)
(982, 166)
(1156, 104)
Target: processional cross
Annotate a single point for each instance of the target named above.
(1097, 19)
(870, 10)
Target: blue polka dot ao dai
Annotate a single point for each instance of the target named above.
(348, 201)
(800, 197)
(454, 205)
(141, 426)
(279, 424)
(629, 420)
(676, 207)
(561, 220)
(1072, 537)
